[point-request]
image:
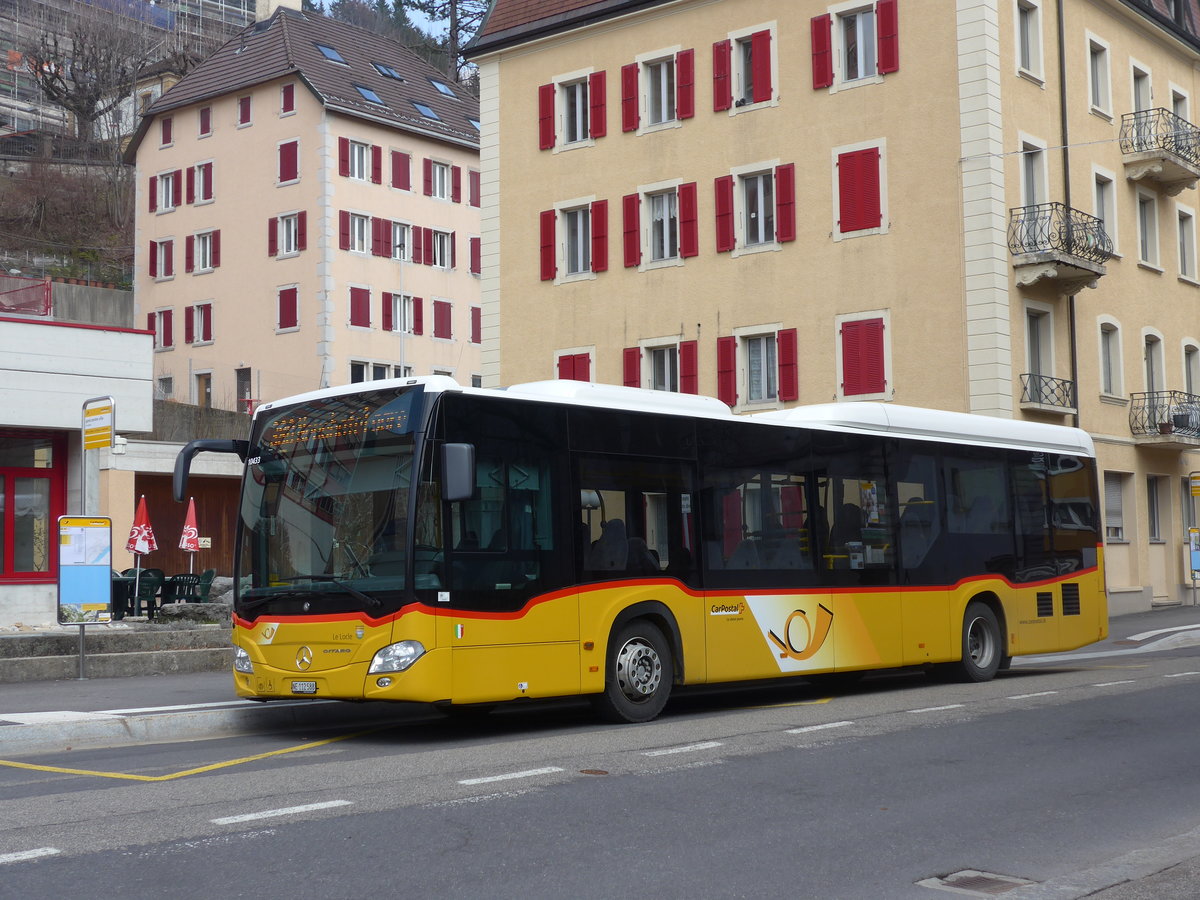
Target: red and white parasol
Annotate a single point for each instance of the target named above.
(189, 541)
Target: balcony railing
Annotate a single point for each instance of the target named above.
(1165, 412)
(1047, 391)
(1160, 129)
(1054, 228)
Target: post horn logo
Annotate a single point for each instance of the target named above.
(817, 633)
(304, 657)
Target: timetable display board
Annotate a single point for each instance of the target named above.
(84, 569)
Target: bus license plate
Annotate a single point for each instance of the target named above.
(304, 687)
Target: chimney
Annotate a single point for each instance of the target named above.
(264, 9)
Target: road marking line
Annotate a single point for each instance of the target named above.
(1181, 674)
(1158, 631)
(705, 745)
(28, 854)
(937, 708)
(528, 773)
(807, 728)
(275, 813)
(1027, 696)
(125, 776)
(1111, 683)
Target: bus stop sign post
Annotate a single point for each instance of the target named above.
(84, 573)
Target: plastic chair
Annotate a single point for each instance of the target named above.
(183, 588)
(205, 586)
(148, 585)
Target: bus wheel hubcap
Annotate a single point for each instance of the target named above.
(639, 669)
(980, 644)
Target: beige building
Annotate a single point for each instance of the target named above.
(918, 201)
(308, 215)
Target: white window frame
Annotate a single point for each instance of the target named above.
(1181, 101)
(200, 179)
(838, 14)
(360, 233)
(439, 181)
(1099, 82)
(889, 388)
(576, 113)
(164, 387)
(769, 334)
(1107, 214)
(661, 90)
(1189, 349)
(1114, 484)
(202, 252)
(835, 225)
(741, 177)
(662, 243)
(1154, 375)
(737, 74)
(645, 62)
(561, 83)
(158, 328)
(200, 312)
(649, 349)
(1185, 234)
(441, 249)
(288, 235)
(161, 258)
(1113, 360)
(167, 201)
(1154, 510)
(359, 158)
(402, 249)
(577, 243)
(1032, 173)
(1146, 208)
(1043, 315)
(402, 313)
(1027, 39)
(646, 193)
(1137, 71)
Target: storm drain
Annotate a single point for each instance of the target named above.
(975, 883)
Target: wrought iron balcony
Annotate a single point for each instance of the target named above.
(1169, 417)
(1044, 392)
(1162, 147)
(1051, 240)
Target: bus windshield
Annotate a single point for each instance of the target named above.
(325, 504)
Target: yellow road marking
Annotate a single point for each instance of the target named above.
(125, 776)
(792, 703)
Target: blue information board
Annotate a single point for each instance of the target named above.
(84, 569)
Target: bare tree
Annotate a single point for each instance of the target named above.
(462, 19)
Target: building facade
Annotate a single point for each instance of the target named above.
(308, 215)
(913, 201)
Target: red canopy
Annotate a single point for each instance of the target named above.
(141, 535)
(190, 539)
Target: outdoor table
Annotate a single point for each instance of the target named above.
(122, 594)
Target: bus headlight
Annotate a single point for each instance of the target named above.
(397, 657)
(241, 661)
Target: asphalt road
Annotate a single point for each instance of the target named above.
(1074, 774)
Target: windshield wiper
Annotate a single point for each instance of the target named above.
(333, 579)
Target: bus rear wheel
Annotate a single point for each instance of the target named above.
(982, 646)
(638, 676)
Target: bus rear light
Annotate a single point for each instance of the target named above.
(241, 661)
(396, 657)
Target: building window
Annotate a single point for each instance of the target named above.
(287, 308)
(857, 32)
(1187, 244)
(860, 194)
(200, 187)
(1153, 510)
(360, 307)
(758, 208)
(752, 67)
(289, 235)
(330, 53)
(204, 121)
(167, 193)
(287, 99)
(664, 368)
(575, 110)
(426, 111)
(1099, 81)
(442, 322)
(243, 111)
(32, 496)
(664, 225)
(164, 388)
(166, 129)
(1033, 174)
(198, 324)
(1038, 341)
(401, 247)
(289, 161)
(1114, 523)
(439, 181)
(761, 368)
(360, 229)
(368, 94)
(1110, 359)
(660, 91)
(1029, 37)
(1153, 357)
(1105, 206)
(1147, 214)
(162, 259)
(1141, 89)
(443, 253)
(862, 357)
(387, 71)
(577, 223)
(1180, 105)
(203, 251)
(161, 323)
(360, 160)
(1191, 369)
(398, 313)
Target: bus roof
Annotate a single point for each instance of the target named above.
(884, 419)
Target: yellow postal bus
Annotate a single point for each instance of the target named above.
(418, 540)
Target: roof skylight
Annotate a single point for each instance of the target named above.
(387, 71)
(426, 111)
(330, 53)
(369, 95)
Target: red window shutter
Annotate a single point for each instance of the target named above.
(583, 367)
(723, 189)
(727, 370)
(887, 30)
(822, 51)
(385, 312)
(153, 267)
(862, 357)
(428, 174)
(206, 120)
(722, 86)
(287, 308)
(167, 330)
(387, 233)
(177, 186)
(376, 236)
(206, 180)
(689, 232)
(151, 319)
(216, 248)
(287, 98)
(476, 256)
(273, 236)
(785, 203)
(166, 129)
(207, 331)
(600, 236)
(760, 54)
(454, 249)
(566, 367)
(456, 184)
(153, 187)
(400, 171)
(428, 235)
(243, 110)
(418, 322)
(476, 325)
(629, 97)
(344, 229)
(858, 190)
(418, 249)
(190, 184)
(474, 194)
(189, 253)
(376, 164)
(685, 84)
(441, 320)
(688, 368)
(189, 324)
(302, 230)
(633, 230)
(788, 361)
(598, 101)
(168, 258)
(632, 367)
(344, 156)
(360, 307)
(548, 226)
(546, 117)
(288, 161)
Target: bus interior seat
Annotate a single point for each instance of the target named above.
(847, 526)
(610, 551)
(641, 558)
(745, 555)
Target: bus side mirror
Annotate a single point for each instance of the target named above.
(183, 462)
(458, 471)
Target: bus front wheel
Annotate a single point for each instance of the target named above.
(638, 676)
(982, 645)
